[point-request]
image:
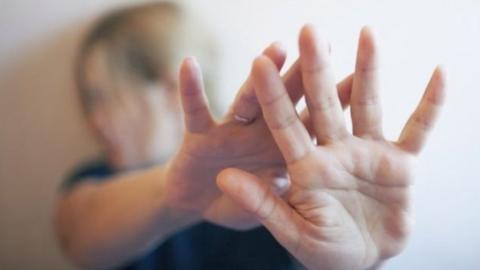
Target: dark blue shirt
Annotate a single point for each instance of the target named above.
(202, 246)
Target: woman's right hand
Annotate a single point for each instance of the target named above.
(348, 206)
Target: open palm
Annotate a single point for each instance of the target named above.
(348, 204)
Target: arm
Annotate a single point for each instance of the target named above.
(107, 224)
(102, 225)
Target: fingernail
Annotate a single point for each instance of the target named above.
(278, 45)
(192, 61)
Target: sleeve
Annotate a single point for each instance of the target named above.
(93, 171)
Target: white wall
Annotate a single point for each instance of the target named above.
(42, 134)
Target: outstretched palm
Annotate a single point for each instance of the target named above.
(355, 193)
(347, 207)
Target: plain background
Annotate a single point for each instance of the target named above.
(42, 134)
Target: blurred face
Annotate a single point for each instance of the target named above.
(136, 124)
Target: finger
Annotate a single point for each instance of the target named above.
(280, 115)
(415, 132)
(320, 91)
(194, 101)
(294, 84)
(255, 196)
(344, 88)
(245, 107)
(307, 122)
(365, 106)
(225, 212)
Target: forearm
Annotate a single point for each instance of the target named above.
(107, 224)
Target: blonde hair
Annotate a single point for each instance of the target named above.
(146, 43)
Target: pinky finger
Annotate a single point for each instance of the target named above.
(198, 118)
(415, 132)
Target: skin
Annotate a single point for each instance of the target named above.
(229, 142)
(348, 204)
(108, 223)
(124, 115)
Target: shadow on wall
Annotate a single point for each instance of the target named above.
(42, 136)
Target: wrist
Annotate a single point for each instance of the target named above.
(169, 217)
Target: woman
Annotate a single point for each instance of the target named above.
(345, 205)
(111, 216)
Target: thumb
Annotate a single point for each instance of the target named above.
(257, 197)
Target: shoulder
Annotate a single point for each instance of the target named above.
(93, 170)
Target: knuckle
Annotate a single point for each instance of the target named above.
(196, 109)
(367, 100)
(421, 121)
(283, 123)
(274, 98)
(249, 98)
(325, 104)
(266, 207)
(315, 66)
(366, 66)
